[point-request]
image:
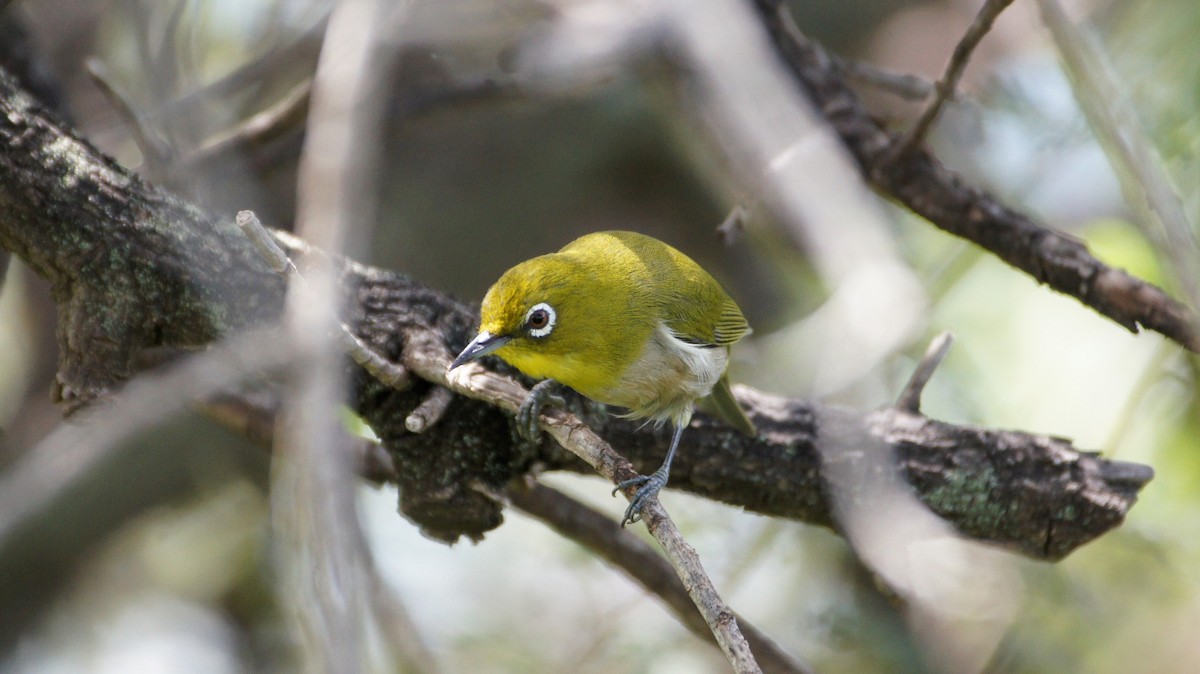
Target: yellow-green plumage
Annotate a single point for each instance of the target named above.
(625, 320)
(612, 293)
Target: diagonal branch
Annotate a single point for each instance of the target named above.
(600, 534)
(917, 180)
(427, 356)
(1146, 184)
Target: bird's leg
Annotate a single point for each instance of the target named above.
(527, 414)
(650, 484)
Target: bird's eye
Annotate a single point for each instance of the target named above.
(540, 320)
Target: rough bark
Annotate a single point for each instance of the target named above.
(1031, 493)
(131, 265)
(135, 267)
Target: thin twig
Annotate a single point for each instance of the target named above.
(299, 52)
(430, 410)
(155, 151)
(277, 260)
(946, 86)
(384, 370)
(910, 398)
(425, 355)
(910, 87)
(734, 224)
(600, 534)
(261, 127)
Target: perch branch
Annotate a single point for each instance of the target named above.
(430, 360)
(135, 267)
(600, 534)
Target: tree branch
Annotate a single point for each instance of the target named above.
(130, 265)
(600, 534)
(918, 181)
(134, 267)
(426, 355)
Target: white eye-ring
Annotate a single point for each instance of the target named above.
(540, 319)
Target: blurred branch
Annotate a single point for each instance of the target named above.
(905, 86)
(402, 638)
(286, 114)
(326, 576)
(948, 84)
(390, 373)
(734, 225)
(797, 168)
(1143, 179)
(46, 472)
(600, 534)
(156, 152)
(254, 414)
(302, 51)
(918, 181)
(182, 277)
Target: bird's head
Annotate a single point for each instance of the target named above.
(543, 316)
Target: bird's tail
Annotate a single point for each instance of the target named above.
(723, 404)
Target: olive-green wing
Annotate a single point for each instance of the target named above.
(731, 325)
(708, 317)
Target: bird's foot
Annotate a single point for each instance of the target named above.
(542, 394)
(648, 488)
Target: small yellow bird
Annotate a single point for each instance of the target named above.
(625, 320)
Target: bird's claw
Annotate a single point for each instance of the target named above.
(542, 394)
(648, 488)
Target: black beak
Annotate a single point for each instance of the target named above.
(483, 344)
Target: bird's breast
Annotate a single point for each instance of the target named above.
(666, 379)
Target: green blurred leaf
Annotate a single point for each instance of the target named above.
(1120, 244)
